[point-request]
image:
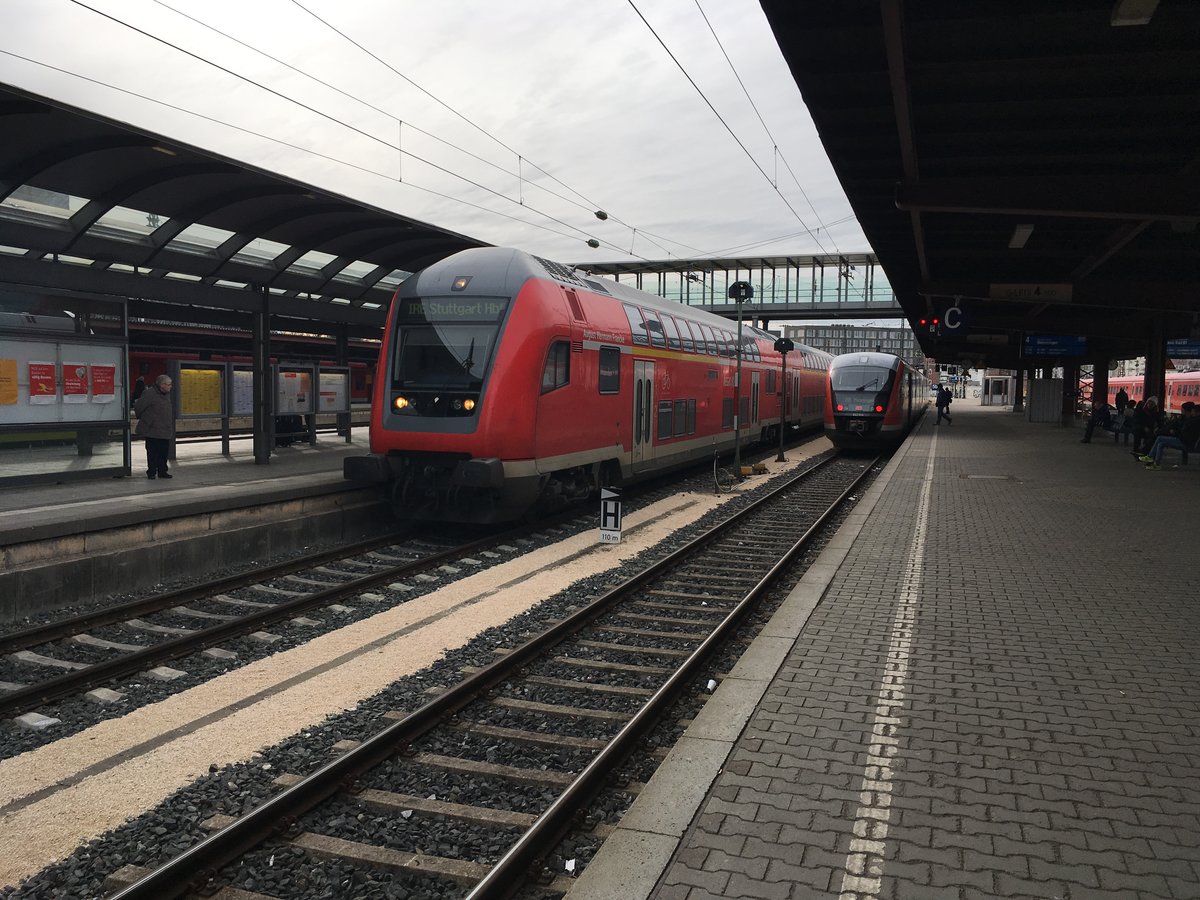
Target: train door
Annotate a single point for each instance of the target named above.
(643, 407)
(754, 382)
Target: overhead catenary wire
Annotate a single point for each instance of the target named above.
(589, 203)
(726, 125)
(774, 143)
(288, 144)
(326, 116)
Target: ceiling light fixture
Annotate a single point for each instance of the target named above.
(1019, 236)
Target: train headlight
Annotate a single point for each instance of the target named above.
(400, 403)
(468, 404)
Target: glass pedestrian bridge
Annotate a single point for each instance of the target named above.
(820, 286)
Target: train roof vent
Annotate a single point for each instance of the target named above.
(559, 271)
(596, 285)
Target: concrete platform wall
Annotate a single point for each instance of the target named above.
(51, 573)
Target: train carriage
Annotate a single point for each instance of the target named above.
(509, 382)
(873, 400)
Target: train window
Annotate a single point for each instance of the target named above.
(691, 417)
(657, 337)
(728, 344)
(557, 371)
(664, 419)
(750, 349)
(771, 381)
(680, 418)
(710, 340)
(698, 334)
(672, 333)
(610, 370)
(727, 412)
(685, 335)
(637, 325)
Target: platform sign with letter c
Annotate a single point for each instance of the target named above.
(610, 517)
(954, 321)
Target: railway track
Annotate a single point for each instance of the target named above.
(86, 652)
(514, 755)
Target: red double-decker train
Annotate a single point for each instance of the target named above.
(508, 382)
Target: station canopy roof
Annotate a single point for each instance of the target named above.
(1034, 164)
(91, 206)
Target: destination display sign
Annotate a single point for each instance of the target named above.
(1055, 345)
(451, 309)
(1183, 349)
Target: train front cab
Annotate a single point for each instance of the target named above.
(868, 401)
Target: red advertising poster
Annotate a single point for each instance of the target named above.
(104, 383)
(43, 386)
(75, 382)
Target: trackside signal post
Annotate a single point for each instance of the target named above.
(783, 347)
(739, 293)
(610, 516)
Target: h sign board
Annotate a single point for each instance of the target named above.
(610, 517)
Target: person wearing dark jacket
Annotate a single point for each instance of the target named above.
(1187, 434)
(156, 423)
(1101, 416)
(1146, 422)
(943, 405)
(1122, 400)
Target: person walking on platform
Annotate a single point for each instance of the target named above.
(943, 405)
(156, 423)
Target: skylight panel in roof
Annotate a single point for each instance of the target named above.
(182, 276)
(356, 271)
(394, 278)
(197, 238)
(30, 203)
(311, 262)
(125, 224)
(260, 250)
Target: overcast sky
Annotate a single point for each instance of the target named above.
(584, 92)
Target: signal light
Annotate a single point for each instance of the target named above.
(841, 408)
(878, 409)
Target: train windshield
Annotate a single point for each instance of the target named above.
(445, 344)
(861, 388)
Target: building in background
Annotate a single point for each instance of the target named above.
(847, 338)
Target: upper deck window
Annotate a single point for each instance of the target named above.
(637, 325)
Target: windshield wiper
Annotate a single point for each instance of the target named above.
(873, 381)
(469, 362)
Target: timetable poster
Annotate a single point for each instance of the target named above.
(104, 384)
(200, 392)
(8, 382)
(43, 385)
(75, 382)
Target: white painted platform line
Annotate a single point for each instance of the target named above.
(864, 862)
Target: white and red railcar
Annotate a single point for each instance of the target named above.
(872, 400)
(509, 382)
(1181, 387)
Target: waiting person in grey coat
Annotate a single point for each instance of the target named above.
(156, 423)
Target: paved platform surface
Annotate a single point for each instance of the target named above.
(987, 686)
(203, 480)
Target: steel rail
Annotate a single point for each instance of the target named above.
(53, 631)
(35, 695)
(513, 869)
(202, 861)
